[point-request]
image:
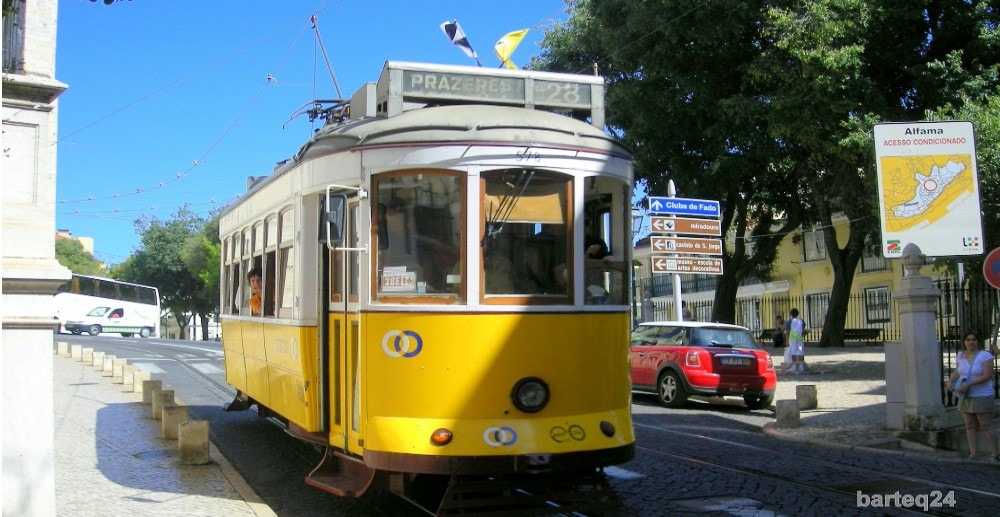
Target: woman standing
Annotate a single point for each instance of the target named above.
(972, 381)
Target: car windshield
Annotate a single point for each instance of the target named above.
(99, 311)
(722, 337)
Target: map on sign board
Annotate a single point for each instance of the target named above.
(928, 188)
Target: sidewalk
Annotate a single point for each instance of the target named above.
(110, 459)
(850, 386)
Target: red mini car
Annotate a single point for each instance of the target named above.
(676, 359)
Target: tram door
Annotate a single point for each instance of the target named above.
(343, 351)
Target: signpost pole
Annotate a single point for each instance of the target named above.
(678, 303)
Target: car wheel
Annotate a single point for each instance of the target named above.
(758, 401)
(126, 334)
(671, 390)
(94, 330)
(145, 332)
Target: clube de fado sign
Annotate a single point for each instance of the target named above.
(679, 239)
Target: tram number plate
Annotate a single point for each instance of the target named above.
(734, 361)
(399, 280)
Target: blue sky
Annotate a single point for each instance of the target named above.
(169, 103)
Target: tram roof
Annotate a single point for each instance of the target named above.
(458, 124)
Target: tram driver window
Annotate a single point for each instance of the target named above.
(419, 223)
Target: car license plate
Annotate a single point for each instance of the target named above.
(734, 361)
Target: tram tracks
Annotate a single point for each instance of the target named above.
(852, 484)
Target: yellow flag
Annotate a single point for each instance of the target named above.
(505, 47)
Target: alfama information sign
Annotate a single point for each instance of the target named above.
(928, 188)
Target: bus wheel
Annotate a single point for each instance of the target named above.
(145, 332)
(94, 330)
(126, 334)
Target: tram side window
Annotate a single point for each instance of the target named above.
(419, 223)
(525, 233)
(607, 216)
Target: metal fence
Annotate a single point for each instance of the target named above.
(958, 310)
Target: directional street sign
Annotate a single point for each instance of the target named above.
(662, 244)
(682, 206)
(661, 224)
(706, 266)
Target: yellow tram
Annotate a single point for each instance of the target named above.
(435, 305)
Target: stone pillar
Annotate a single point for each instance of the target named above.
(913, 367)
(29, 271)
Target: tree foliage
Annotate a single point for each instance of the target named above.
(769, 106)
(177, 257)
(70, 253)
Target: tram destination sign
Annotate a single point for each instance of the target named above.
(704, 266)
(683, 206)
(683, 225)
(695, 246)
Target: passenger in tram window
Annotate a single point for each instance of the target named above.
(254, 278)
(498, 269)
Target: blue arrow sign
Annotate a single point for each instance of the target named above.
(679, 205)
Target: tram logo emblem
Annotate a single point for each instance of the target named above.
(402, 343)
(561, 434)
(497, 436)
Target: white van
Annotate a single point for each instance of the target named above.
(113, 320)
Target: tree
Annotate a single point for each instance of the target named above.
(70, 253)
(159, 263)
(680, 94)
(201, 255)
(836, 67)
(769, 108)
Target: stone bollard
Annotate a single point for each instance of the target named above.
(76, 352)
(128, 374)
(118, 370)
(173, 417)
(192, 442)
(805, 394)
(149, 387)
(138, 378)
(787, 413)
(98, 362)
(62, 348)
(165, 398)
(109, 364)
(87, 356)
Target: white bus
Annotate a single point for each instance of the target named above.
(94, 305)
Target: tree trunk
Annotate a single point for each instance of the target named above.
(845, 263)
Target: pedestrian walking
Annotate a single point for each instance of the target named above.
(972, 382)
(795, 338)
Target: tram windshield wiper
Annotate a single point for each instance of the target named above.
(496, 219)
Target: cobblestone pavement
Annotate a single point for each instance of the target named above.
(850, 386)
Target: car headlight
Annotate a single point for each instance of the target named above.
(530, 394)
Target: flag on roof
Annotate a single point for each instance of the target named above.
(505, 47)
(457, 36)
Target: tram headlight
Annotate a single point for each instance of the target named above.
(530, 394)
(441, 436)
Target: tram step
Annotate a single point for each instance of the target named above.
(345, 476)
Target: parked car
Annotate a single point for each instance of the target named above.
(676, 359)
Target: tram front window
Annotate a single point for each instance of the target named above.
(525, 232)
(419, 223)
